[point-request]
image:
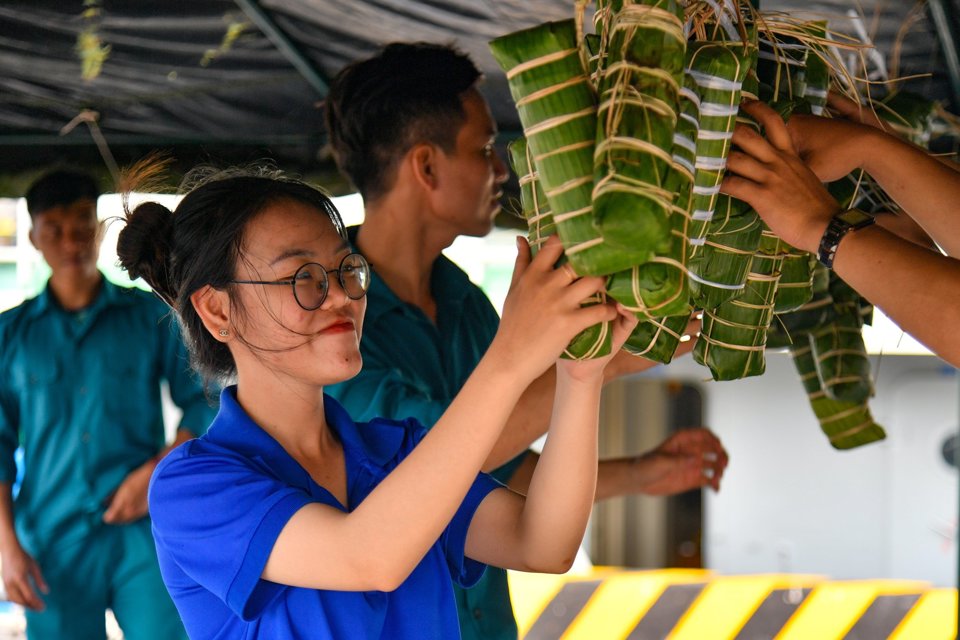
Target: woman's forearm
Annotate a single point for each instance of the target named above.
(565, 475)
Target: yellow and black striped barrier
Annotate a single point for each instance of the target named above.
(687, 604)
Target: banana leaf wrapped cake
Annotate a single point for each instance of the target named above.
(846, 424)
(557, 107)
(658, 287)
(734, 335)
(593, 341)
(657, 339)
(719, 267)
(639, 91)
(796, 280)
(792, 328)
(719, 69)
(838, 348)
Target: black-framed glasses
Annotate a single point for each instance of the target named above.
(310, 283)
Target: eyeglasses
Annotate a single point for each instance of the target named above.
(310, 283)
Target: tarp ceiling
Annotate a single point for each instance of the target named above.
(171, 78)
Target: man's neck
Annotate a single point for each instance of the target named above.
(402, 249)
(75, 293)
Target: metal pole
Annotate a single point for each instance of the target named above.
(943, 13)
(285, 45)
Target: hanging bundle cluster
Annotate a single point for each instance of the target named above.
(627, 131)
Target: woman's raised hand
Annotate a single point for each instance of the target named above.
(543, 311)
(622, 326)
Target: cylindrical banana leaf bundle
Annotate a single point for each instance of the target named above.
(780, 67)
(816, 72)
(838, 348)
(637, 115)
(593, 341)
(791, 328)
(557, 107)
(846, 424)
(657, 339)
(796, 280)
(719, 69)
(841, 358)
(533, 202)
(719, 267)
(734, 335)
(658, 287)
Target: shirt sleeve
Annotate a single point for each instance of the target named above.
(186, 388)
(217, 517)
(466, 571)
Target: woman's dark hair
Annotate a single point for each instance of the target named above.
(179, 252)
(379, 108)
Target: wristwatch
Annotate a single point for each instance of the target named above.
(840, 225)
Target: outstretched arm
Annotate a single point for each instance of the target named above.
(925, 188)
(382, 540)
(893, 273)
(543, 530)
(688, 459)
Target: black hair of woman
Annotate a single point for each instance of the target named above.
(199, 243)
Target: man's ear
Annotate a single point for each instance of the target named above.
(422, 160)
(213, 307)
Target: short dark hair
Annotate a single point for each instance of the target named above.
(199, 244)
(60, 188)
(379, 108)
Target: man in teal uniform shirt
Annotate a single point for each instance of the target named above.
(83, 364)
(414, 135)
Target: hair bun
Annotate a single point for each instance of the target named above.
(144, 247)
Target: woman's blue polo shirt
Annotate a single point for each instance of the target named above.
(219, 502)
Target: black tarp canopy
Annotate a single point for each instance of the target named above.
(233, 81)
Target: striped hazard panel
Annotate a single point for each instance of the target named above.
(681, 604)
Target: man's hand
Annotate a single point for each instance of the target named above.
(688, 459)
(768, 174)
(20, 574)
(129, 501)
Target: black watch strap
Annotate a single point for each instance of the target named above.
(840, 224)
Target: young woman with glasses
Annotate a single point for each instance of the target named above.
(289, 520)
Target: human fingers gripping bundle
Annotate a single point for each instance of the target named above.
(659, 83)
(544, 308)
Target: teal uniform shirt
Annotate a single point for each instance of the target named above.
(414, 368)
(80, 391)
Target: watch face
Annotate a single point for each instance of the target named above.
(855, 218)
